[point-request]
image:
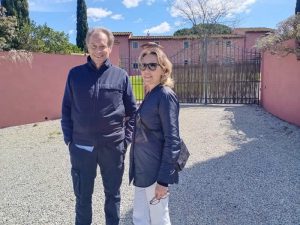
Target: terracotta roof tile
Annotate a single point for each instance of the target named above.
(122, 33)
(182, 37)
(254, 29)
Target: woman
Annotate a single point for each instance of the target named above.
(156, 142)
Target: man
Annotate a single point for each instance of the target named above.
(97, 123)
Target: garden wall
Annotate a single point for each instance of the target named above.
(33, 92)
(280, 87)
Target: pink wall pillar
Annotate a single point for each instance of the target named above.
(33, 93)
(280, 86)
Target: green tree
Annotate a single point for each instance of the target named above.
(206, 16)
(183, 32)
(82, 25)
(207, 28)
(17, 8)
(42, 38)
(204, 13)
(8, 29)
(9, 5)
(22, 12)
(275, 41)
(297, 9)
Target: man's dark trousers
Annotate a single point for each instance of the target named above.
(110, 158)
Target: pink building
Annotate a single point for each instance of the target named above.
(250, 35)
(186, 49)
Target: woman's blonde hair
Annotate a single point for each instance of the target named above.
(151, 48)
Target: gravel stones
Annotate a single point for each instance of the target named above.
(244, 169)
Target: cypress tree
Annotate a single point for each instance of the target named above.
(82, 25)
(18, 9)
(9, 5)
(297, 9)
(22, 12)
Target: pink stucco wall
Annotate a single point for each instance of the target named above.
(280, 87)
(174, 48)
(251, 39)
(32, 93)
(123, 45)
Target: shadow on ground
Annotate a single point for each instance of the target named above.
(256, 183)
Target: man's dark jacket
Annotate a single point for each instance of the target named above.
(98, 105)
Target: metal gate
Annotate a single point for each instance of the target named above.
(215, 72)
(223, 74)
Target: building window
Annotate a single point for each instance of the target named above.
(135, 66)
(228, 43)
(135, 44)
(186, 62)
(186, 44)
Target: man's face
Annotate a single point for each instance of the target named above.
(98, 48)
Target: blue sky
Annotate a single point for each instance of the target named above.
(156, 16)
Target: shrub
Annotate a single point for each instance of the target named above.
(286, 30)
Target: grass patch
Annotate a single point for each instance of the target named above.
(137, 86)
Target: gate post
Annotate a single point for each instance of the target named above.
(204, 63)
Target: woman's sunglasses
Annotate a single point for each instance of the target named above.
(151, 66)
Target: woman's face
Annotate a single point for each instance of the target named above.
(151, 71)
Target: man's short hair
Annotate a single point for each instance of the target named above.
(108, 33)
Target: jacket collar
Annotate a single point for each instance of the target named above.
(106, 64)
(155, 88)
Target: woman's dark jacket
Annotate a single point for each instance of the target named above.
(156, 142)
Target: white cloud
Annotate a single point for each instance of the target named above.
(139, 20)
(159, 29)
(131, 3)
(150, 2)
(179, 23)
(232, 7)
(98, 13)
(241, 6)
(117, 17)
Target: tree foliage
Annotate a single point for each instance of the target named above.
(8, 29)
(9, 5)
(32, 37)
(297, 9)
(208, 28)
(205, 15)
(41, 38)
(29, 36)
(82, 25)
(286, 30)
(17, 8)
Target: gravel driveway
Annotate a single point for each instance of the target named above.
(244, 170)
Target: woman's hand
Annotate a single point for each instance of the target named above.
(160, 191)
